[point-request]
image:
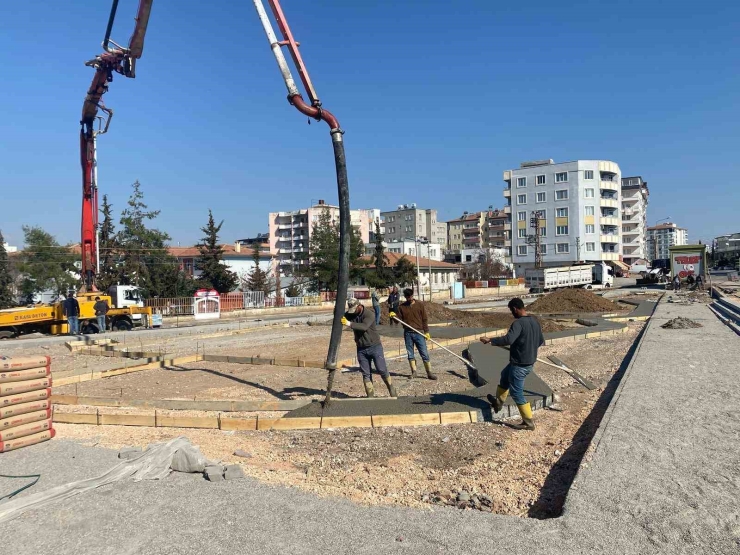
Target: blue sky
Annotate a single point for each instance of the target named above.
(437, 99)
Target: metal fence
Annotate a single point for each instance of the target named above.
(183, 306)
(174, 306)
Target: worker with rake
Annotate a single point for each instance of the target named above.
(369, 348)
(525, 338)
(412, 314)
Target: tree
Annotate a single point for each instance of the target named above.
(214, 274)
(293, 290)
(486, 266)
(144, 259)
(258, 279)
(109, 249)
(6, 277)
(45, 264)
(404, 272)
(382, 276)
(323, 263)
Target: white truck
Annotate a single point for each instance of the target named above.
(126, 295)
(588, 276)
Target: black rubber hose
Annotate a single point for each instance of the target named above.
(345, 234)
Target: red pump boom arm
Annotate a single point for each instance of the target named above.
(115, 59)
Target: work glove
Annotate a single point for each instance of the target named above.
(428, 335)
(345, 322)
(392, 315)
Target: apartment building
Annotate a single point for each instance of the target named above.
(466, 232)
(579, 205)
(426, 250)
(290, 232)
(661, 237)
(497, 230)
(635, 195)
(408, 221)
(727, 246)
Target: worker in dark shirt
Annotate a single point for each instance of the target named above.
(413, 313)
(369, 348)
(101, 309)
(394, 299)
(71, 310)
(525, 338)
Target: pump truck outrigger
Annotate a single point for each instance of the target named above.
(122, 60)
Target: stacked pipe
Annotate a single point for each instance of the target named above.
(25, 402)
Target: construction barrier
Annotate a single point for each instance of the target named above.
(25, 405)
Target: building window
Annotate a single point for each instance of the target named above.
(522, 250)
(561, 177)
(543, 249)
(541, 197)
(590, 247)
(590, 228)
(521, 181)
(541, 180)
(522, 233)
(561, 213)
(563, 248)
(521, 199)
(561, 230)
(562, 194)
(588, 174)
(541, 214)
(589, 193)
(543, 232)
(589, 210)
(521, 216)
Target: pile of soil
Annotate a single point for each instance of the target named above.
(439, 314)
(572, 301)
(681, 323)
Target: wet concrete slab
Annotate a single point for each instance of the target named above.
(448, 332)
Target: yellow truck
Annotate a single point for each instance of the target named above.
(49, 318)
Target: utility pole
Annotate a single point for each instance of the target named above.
(578, 248)
(418, 274)
(534, 223)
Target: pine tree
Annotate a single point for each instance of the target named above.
(6, 278)
(382, 276)
(214, 274)
(109, 250)
(258, 279)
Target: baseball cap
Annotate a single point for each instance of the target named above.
(352, 303)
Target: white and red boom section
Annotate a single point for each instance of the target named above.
(114, 59)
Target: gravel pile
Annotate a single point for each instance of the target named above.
(681, 323)
(438, 314)
(460, 499)
(572, 301)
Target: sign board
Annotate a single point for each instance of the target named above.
(688, 261)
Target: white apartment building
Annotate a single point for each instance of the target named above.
(290, 232)
(579, 205)
(634, 219)
(408, 222)
(426, 250)
(661, 237)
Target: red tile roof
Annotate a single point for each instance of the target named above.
(394, 257)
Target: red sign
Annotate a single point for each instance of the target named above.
(687, 259)
(206, 293)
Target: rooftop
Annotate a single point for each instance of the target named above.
(394, 257)
(668, 225)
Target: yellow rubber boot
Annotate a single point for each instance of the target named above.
(391, 388)
(527, 423)
(498, 401)
(369, 389)
(428, 368)
(412, 365)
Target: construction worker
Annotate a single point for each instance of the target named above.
(413, 313)
(394, 299)
(525, 338)
(71, 310)
(676, 283)
(369, 347)
(101, 308)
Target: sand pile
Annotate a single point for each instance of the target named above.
(438, 314)
(573, 301)
(681, 323)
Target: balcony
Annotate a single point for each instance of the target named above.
(609, 185)
(609, 203)
(507, 226)
(610, 238)
(507, 209)
(610, 220)
(507, 193)
(609, 256)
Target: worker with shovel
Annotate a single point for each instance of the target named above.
(525, 338)
(413, 315)
(369, 348)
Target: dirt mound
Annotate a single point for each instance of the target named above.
(572, 301)
(439, 314)
(681, 323)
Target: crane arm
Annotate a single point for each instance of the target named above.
(114, 59)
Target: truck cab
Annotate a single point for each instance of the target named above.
(123, 296)
(602, 274)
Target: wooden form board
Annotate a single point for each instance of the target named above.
(233, 424)
(180, 404)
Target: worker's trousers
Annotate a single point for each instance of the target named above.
(101, 323)
(74, 324)
(376, 308)
(373, 354)
(512, 378)
(412, 338)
